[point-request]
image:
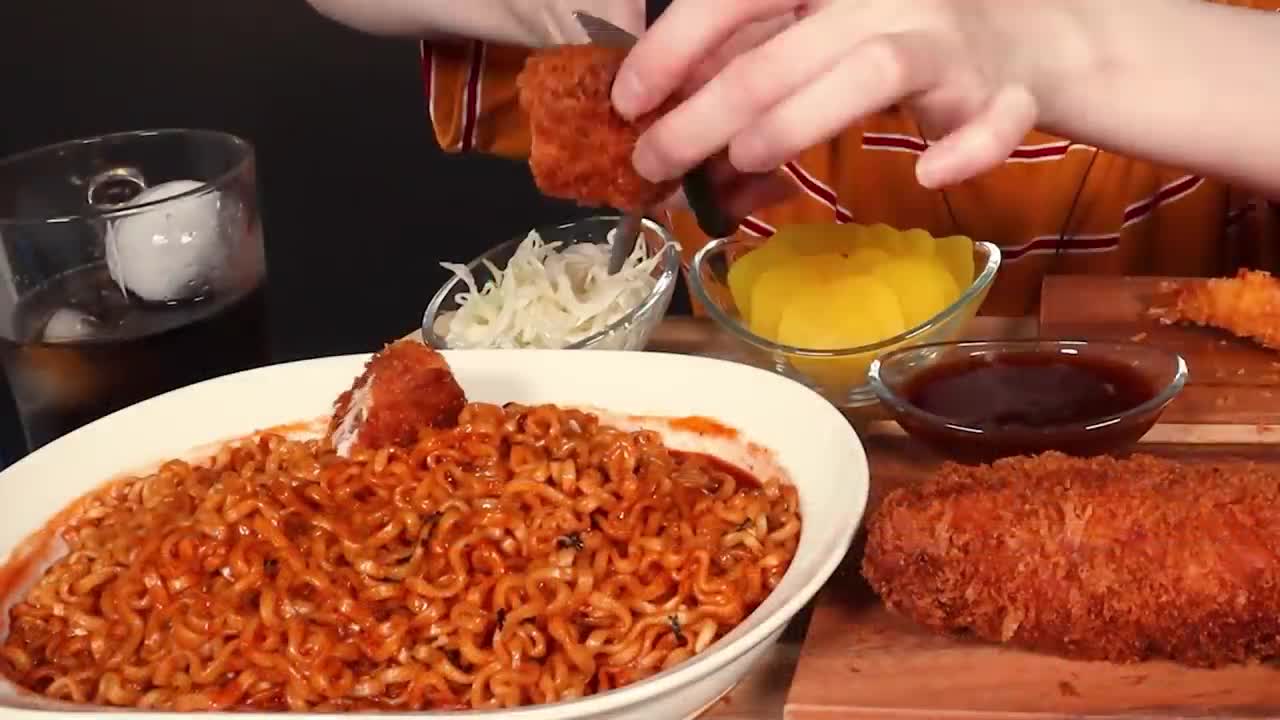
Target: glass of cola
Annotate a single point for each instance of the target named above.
(130, 265)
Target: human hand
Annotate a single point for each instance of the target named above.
(738, 194)
(967, 67)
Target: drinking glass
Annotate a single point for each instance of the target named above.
(130, 264)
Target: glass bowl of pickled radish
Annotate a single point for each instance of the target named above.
(819, 302)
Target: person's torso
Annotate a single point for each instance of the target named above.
(1054, 207)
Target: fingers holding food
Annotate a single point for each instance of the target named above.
(581, 147)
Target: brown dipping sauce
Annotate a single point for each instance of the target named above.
(1025, 402)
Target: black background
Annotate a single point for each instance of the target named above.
(359, 203)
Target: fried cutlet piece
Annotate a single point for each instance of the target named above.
(581, 148)
(404, 389)
(1247, 305)
(1099, 558)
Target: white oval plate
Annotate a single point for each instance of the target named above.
(805, 436)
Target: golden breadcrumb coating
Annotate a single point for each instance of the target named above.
(1100, 558)
(405, 387)
(581, 148)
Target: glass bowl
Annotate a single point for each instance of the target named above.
(630, 332)
(131, 264)
(1160, 375)
(840, 375)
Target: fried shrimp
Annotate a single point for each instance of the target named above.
(1247, 305)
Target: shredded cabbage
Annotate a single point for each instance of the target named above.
(546, 297)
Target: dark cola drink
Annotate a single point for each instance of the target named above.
(131, 264)
(80, 347)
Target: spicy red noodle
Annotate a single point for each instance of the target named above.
(528, 555)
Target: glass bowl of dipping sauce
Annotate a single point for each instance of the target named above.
(980, 401)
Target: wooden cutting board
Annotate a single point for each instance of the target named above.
(1232, 380)
(861, 662)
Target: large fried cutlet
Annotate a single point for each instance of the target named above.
(1247, 305)
(581, 148)
(1103, 559)
(404, 389)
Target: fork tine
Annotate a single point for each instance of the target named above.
(603, 32)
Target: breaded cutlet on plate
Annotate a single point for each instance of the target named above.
(1100, 559)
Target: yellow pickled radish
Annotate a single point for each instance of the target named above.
(790, 241)
(849, 312)
(897, 242)
(746, 270)
(783, 281)
(880, 236)
(855, 235)
(832, 286)
(846, 312)
(864, 259)
(956, 253)
(813, 239)
(917, 242)
(923, 287)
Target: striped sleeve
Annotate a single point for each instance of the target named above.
(470, 90)
(1272, 5)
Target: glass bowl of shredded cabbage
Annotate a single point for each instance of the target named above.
(552, 290)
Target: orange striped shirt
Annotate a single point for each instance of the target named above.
(1130, 217)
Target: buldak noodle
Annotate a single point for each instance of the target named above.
(528, 555)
